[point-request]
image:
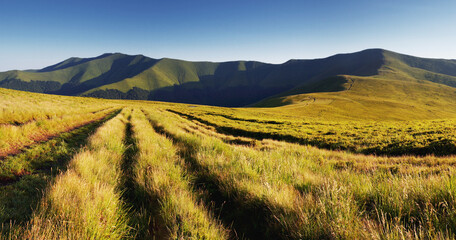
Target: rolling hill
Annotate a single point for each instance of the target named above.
(319, 154)
(404, 88)
(373, 81)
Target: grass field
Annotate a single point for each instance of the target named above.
(101, 169)
(412, 137)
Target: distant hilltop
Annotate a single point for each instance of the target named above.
(231, 84)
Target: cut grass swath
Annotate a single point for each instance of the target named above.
(20, 195)
(83, 203)
(178, 213)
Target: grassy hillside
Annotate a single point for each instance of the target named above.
(108, 169)
(327, 82)
(373, 98)
(355, 146)
(75, 76)
(235, 83)
(403, 89)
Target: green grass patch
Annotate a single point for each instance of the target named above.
(393, 138)
(20, 194)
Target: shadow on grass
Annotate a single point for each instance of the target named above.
(19, 197)
(143, 208)
(247, 216)
(439, 148)
(236, 132)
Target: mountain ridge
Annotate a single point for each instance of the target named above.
(232, 83)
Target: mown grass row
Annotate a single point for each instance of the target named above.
(300, 194)
(424, 137)
(19, 195)
(14, 138)
(153, 174)
(84, 202)
(409, 164)
(128, 182)
(175, 210)
(39, 156)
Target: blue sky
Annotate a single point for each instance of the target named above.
(35, 34)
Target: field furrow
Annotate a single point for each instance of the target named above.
(14, 138)
(85, 201)
(308, 196)
(174, 209)
(30, 159)
(430, 137)
(19, 194)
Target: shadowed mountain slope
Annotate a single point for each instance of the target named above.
(236, 83)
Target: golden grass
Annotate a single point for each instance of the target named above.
(196, 179)
(314, 193)
(14, 138)
(159, 173)
(29, 118)
(84, 202)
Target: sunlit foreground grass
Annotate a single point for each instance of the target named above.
(84, 202)
(15, 138)
(303, 192)
(154, 173)
(39, 164)
(159, 172)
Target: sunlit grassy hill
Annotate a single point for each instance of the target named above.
(236, 83)
(404, 88)
(86, 168)
(369, 98)
(354, 146)
(371, 84)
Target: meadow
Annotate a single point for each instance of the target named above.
(406, 137)
(106, 169)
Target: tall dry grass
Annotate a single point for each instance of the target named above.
(159, 172)
(84, 202)
(313, 193)
(13, 138)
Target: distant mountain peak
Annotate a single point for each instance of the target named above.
(232, 83)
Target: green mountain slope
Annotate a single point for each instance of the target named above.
(237, 83)
(75, 76)
(404, 88)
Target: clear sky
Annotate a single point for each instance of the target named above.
(35, 34)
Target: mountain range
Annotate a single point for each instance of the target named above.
(376, 75)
